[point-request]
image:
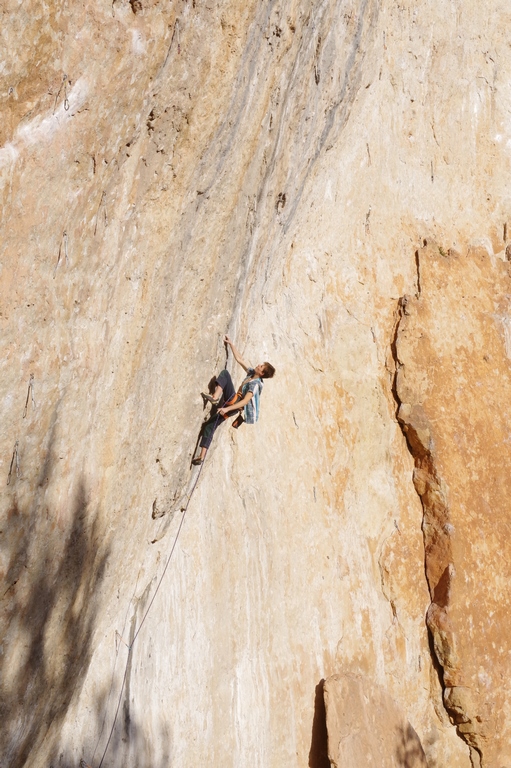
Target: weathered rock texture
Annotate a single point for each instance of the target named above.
(453, 383)
(170, 173)
(366, 727)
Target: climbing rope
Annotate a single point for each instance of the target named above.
(130, 646)
(184, 510)
(144, 617)
(117, 646)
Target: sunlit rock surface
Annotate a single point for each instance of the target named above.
(366, 727)
(173, 173)
(454, 383)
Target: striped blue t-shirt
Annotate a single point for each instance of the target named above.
(251, 409)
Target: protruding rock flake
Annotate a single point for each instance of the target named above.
(456, 425)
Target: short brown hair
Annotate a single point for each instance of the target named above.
(269, 371)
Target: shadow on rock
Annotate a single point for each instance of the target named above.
(48, 609)
(318, 753)
(409, 751)
(116, 734)
(128, 747)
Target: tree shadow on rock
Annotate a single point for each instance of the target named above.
(133, 748)
(48, 610)
(409, 751)
(123, 735)
(318, 753)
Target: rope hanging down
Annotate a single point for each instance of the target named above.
(144, 617)
(130, 647)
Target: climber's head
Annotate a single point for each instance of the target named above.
(265, 370)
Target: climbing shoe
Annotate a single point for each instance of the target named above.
(197, 462)
(210, 399)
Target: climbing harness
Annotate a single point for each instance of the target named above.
(232, 401)
(238, 421)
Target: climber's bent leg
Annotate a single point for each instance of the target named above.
(224, 389)
(225, 392)
(224, 382)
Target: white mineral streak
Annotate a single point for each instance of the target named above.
(266, 170)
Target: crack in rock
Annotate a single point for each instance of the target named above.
(437, 534)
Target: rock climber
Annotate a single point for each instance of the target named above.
(244, 402)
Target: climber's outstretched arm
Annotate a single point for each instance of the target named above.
(236, 354)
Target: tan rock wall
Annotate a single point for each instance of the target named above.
(268, 171)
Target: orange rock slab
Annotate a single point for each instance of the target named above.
(453, 386)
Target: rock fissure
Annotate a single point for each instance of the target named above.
(437, 532)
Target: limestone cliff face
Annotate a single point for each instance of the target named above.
(270, 170)
(453, 381)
